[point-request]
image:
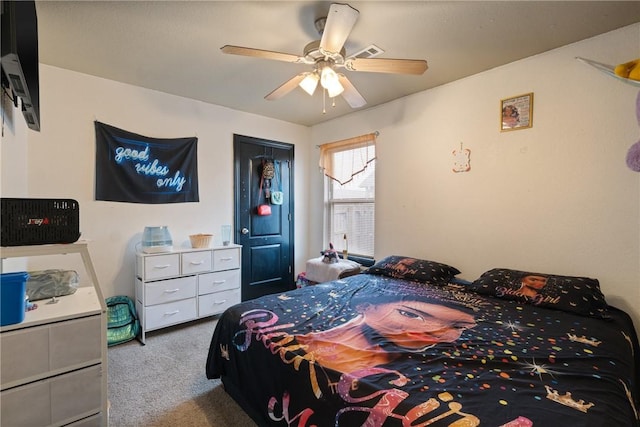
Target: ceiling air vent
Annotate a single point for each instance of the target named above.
(368, 52)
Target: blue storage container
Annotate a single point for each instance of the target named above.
(13, 293)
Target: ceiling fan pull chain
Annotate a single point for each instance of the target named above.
(324, 109)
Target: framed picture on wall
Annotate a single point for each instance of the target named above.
(516, 112)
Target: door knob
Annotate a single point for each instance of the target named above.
(245, 230)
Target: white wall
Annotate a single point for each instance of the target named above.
(61, 164)
(13, 156)
(556, 198)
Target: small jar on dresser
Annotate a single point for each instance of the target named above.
(185, 284)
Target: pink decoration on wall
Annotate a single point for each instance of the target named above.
(462, 159)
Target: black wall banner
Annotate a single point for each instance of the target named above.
(137, 169)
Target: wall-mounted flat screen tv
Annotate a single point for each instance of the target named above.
(20, 57)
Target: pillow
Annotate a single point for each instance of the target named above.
(416, 270)
(579, 295)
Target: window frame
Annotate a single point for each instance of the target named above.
(330, 203)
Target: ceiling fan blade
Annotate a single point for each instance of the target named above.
(340, 22)
(382, 65)
(259, 53)
(285, 87)
(351, 94)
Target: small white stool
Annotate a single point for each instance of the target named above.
(318, 271)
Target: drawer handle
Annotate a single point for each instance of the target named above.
(218, 282)
(162, 266)
(171, 313)
(220, 302)
(226, 258)
(196, 263)
(171, 291)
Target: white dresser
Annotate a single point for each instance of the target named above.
(53, 369)
(185, 284)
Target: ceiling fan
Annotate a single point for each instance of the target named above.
(328, 54)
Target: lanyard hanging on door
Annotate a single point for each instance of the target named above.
(277, 196)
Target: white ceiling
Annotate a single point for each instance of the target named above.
(174, 46)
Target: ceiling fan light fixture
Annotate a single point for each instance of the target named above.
(327, 76)
(309, 83)
(335, 89)
(329, 80)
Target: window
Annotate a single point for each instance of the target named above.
(349, 168)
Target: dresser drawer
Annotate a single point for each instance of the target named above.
(34, 353)
(217, 302)
(159, 316)
(169, 290)
(76, 393)
(24, 354)
(218, 281)
(58, 400)
(158, 266)
(226, 259)
(196, 262)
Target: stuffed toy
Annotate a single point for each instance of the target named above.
(633, 155)
(330, 256)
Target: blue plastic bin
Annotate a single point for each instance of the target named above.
(13, 292)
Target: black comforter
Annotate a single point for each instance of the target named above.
(498, 363)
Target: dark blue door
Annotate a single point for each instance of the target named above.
(267, 240)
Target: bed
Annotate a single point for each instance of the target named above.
(406, 343)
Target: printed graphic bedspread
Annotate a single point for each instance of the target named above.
(372, 350)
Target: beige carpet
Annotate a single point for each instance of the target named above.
(163, 383)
